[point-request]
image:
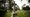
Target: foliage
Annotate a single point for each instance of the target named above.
(8, 13)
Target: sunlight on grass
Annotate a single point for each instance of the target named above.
(21, 13)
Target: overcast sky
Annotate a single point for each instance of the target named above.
(20, 3)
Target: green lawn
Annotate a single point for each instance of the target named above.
(19, 14)
(22, 13)
(8, 14)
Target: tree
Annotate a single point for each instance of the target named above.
(11, 4)
(3, 10)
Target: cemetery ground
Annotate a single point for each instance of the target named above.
(20, 13)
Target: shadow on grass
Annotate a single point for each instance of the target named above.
(8, 14)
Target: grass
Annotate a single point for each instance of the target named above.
(8, 14)
(21, 13)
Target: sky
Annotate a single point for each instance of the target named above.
(20, 3)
